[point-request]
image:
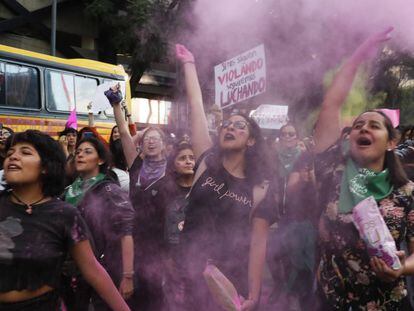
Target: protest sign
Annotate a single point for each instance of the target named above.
(393, 114)
(241, 77)
(271, 116)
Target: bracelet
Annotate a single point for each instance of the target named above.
(128, 115)
(128, 275)
(189, 62)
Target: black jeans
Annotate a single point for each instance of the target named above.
(45, 302)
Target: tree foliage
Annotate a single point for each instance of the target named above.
(395, 77)
(140, 29)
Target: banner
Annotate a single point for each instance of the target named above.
(241, 77)
(270, 116)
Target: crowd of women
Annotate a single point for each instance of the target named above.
(130, 225)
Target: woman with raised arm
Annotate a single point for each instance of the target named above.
(37, 229)
(147, 165)
(347, 172)
(225, 222)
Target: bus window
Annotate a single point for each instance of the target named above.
(2, 85)
(60, 91)
(85, 89)
(151, 110)
(22, 87)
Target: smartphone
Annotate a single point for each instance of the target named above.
(88, 134)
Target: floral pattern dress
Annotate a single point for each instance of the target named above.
(344, 272)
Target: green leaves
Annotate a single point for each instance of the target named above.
(140, 29)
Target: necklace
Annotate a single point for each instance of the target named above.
(29, 206)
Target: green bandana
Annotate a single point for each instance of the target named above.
(288, 158)
(359, 184)
(78, 188)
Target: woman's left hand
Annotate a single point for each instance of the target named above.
(248, 304)
(384, 272)
(126, 288)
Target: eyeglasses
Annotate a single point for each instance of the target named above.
(152, 138)
(288, 134)
(239, 124)
(5, 134)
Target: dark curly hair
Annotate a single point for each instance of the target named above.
(102, 151)
(256, 157)
(53, 159)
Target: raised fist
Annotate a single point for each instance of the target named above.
(183, 55)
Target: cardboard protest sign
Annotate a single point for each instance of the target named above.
(271, 116)
(241, 77)
(393, 114)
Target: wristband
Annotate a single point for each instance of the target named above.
(189, 62)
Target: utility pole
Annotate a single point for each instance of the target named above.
(53, 28)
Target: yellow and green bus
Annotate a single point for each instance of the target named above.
(38, 91)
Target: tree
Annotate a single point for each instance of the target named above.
(395, 77)
(140, 29)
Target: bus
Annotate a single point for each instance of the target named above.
(38, 91)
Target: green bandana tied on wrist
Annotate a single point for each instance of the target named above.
(359, 183)
(78, 188)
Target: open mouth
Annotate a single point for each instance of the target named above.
(13, 167)
(229, 136)
(364, 141)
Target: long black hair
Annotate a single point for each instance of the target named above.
(117, 155)
(111, 137)
(256, 157)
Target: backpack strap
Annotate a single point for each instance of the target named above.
(259, 193)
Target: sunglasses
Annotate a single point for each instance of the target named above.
(240, 125)
(288, 134)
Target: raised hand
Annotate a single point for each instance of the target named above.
(114, 94)
(183, 54)
(371, 45)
